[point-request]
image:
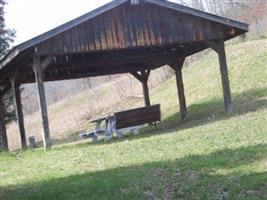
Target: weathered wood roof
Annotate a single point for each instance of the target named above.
(119, 37)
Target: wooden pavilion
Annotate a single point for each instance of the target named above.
(124, 36)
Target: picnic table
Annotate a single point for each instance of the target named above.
(106, 131)
(99, 121)
(129, 120)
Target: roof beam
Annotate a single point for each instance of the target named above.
(54, 75)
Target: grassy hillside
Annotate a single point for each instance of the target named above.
(210, 156)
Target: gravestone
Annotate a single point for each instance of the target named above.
(32, 142)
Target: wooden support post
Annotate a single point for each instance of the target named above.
(181, 95)
(225, 78)
(14, 80)
(143, 77)
(219, 47)
(146, 94)
(177, 65)
(38, 70)
(3, 135)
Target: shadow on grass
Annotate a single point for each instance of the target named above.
(202, 114)
(223, 174)
(213, 110)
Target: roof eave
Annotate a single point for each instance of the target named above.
(9, 57)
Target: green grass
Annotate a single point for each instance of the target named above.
(212, 155)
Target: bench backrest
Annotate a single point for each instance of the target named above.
(138, 116)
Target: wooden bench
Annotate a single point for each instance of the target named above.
(138, 116)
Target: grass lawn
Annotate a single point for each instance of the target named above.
(212, 155)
